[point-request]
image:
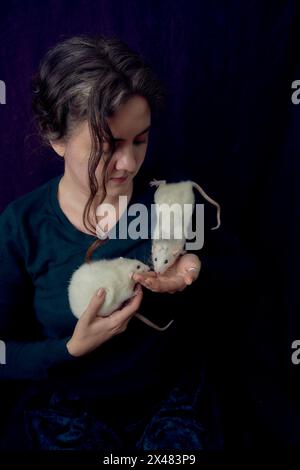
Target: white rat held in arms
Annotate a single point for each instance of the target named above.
(115, 276)
(166, 247)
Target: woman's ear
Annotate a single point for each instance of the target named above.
(59, 146)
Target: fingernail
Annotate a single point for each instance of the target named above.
(100, 292)
(192, 269)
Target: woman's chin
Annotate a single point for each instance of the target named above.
(115, 188)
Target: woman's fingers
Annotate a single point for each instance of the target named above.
(164, 283)
(188, 279)
(189, 263)
(143, 276)
(94, 306)
(120, 316)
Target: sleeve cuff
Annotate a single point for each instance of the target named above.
(60, 352)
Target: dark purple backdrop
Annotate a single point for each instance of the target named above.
(230, 125)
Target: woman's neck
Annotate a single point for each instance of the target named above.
(72, 201)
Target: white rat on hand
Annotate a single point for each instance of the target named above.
(172, 271)
(167, 248)
(115, 276)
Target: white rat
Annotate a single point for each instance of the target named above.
(165, 253)
(167, 248)
(115, 276)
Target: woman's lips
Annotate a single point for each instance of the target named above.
(119, 180)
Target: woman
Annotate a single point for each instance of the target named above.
(98, 383)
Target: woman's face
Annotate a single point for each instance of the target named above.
(130, 129)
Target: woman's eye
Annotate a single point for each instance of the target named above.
(140, 142)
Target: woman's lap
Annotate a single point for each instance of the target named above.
(186, 419)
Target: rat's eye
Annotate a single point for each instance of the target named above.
(138, 266)
(155, 259)
(166, 261)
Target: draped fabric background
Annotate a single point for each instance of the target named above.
(228, 67)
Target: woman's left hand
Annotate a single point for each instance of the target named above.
(182, 273)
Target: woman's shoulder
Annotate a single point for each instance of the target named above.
(33, 202)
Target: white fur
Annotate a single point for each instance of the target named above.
(166, 247)
(165, 253)
(171, 193)
(113, 275)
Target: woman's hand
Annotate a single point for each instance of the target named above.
(182, 273)
(92, 330)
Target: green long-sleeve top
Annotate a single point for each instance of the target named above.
(40, 249)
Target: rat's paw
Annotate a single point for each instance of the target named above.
(156, 183)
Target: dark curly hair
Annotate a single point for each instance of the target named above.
(88, 78)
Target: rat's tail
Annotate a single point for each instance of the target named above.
(151, 324)
(209, 199)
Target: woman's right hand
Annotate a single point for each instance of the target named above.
(92, 330)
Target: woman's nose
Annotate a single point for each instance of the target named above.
(125, 161)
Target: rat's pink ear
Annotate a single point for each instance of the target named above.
(175, 252)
